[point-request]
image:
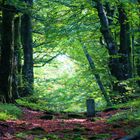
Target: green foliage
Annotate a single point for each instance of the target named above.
(126, 116)
(64, 91)
(4, 116)
(6, 112)
(21, 135)
(101, 136)
(134, 130)
(65, 26)
(131, 114)
(33, 103)
(61, 87)
(18, 4)
(38, 134)
(134, 104)
(65, 136)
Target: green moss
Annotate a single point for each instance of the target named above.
(126, 116)
(102, 136)
(130, 115)
(21, 135)
(131, 104)
(4, 116)
(33, 103)
(9, 111)
(37, 136)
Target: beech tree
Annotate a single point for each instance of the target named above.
(15, 82)
(26, 37)
(7, 53)
(120, 67)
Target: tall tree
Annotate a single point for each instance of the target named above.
(17, 75)
(119, 67)
(108, 37)
(7, 53)
(138, 47)
(125, 44)
(26, 35)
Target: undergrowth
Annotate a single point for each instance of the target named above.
(131, 104)
(126, 116)
(9, 111)
(39, 103)
(130, 111)
(130, 114)
(33, 103)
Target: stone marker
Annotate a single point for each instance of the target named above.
(90, 107)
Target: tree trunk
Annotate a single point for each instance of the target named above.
(120, 68)
(110, 12)
(0, 33)
(125, 45)
(97, 76)
(138, 50)
(17, 59)
(26, 37)
(109, 40)
(26, 34)
(138, 61)
(7, 54)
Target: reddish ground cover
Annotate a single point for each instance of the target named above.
(60, 127)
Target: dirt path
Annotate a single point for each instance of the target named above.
(32, 127)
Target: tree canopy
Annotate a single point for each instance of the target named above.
(42, 31)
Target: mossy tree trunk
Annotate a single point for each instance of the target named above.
(7, 54)
(17, 75)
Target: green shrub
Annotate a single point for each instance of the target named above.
(132, 112)
(127, 116)
(33, 103)
(4, 116)
(9, 111)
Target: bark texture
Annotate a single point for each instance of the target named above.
(125, 45)
(7, 54)
(17, 59)
(26, 34)
(120, 56)
(109, 40)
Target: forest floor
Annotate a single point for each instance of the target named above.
(37, 125)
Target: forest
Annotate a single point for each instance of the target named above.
(69, 69)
